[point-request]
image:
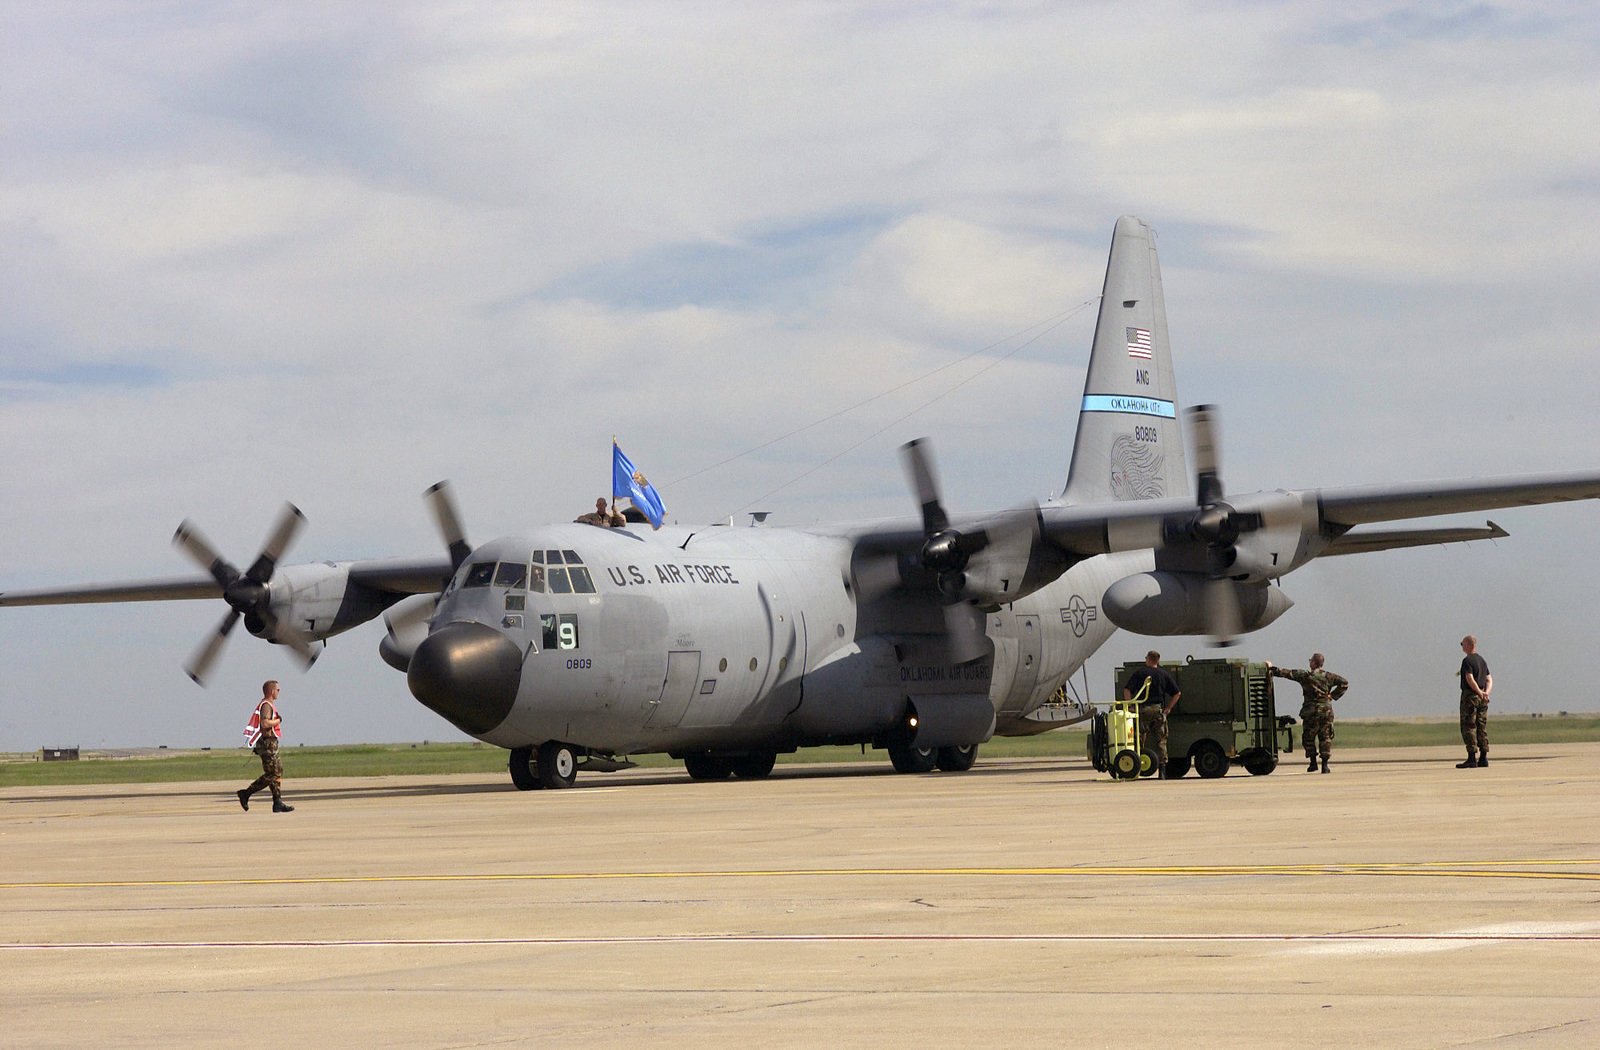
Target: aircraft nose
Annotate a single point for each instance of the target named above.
(468, 673)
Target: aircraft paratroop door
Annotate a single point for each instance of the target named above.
(1016, 658)
(683, 675)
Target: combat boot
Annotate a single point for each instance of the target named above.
(1483, 758)
(280, 806)
(1324, 765)
(1470, 763)
(244, 799)
(1311, 767)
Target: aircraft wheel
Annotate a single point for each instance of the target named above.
(703, 765)
(1147, 764)
(754, 765)
(558, 764)
(1124, 765)
(1177, 767)
(521, 765)
(957, 759)
(1210, 761)
(909, 759)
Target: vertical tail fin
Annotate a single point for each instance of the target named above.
(1129, 444)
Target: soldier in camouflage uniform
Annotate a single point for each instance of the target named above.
(1476, 682)
(266, 748)
(1320, 688)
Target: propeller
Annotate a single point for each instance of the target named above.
(442, 501)
(1216, 524)
(948, 554)
(246, 593)
(407, 624)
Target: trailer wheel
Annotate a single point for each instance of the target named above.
(1125, 765)
(1259, 763)
(1210, 761)
(1099, 743)
(1147, 763)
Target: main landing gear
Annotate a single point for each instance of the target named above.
(910, 759)
(746, 765)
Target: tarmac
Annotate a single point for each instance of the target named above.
(1396, 902)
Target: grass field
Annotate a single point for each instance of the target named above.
(376, 760)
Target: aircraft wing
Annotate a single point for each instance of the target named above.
(1363, 504)
(1091, 529)
(402, 575)
(391, 575)
(172, 588)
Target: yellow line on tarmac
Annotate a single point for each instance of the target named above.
(1505, 869)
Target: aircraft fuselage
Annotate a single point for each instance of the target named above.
(625, 641)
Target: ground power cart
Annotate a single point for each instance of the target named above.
(1226, 714)
(1114, 741)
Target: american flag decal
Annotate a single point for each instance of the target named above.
(1139, 343)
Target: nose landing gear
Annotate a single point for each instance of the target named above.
(553, 765)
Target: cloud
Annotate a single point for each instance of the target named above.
(256, 255)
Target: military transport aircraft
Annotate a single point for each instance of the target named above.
(576, 646)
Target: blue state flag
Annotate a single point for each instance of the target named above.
(627, 481)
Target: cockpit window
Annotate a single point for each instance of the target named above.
(480, 575)
(561, 571)
(511, 574)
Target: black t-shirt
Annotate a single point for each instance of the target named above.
(1475, 665)
(1163, 686)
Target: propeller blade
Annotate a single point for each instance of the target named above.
(199, 665)
(192, 542)
(1220, 609)
(297, 642)
(413, 612)
(875, 575)
(1205, 423)
(283, 532)
(964, 632)
(441, 499)
(919, 468)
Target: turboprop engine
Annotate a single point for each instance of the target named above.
(1184, 603)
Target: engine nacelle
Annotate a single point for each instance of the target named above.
(1162, 603)
(319, 600)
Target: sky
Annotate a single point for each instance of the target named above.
(332, 254)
